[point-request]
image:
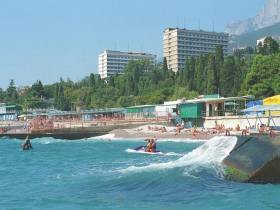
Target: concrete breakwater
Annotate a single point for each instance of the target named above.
(254, 160)
(61, 133)
(73, 132)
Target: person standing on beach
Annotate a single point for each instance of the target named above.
(272, 134)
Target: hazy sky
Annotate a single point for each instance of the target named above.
(50, 39)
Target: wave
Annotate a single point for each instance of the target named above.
(173, 154)
(47, 140)
(108, 136)
(160, 153)
(209, 154)
(183, 140)
(111, 137)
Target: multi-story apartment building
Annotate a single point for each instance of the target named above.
(180, 44)
(113, 62)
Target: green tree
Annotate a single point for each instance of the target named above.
(191, 74)
(92, 80)
(227, 77)
(211, 68)
(219, 55)
(269, 46)
(38, 89)
(11, 93)
(165, 67)
(2, 95)
(263, 78)
(201, 74)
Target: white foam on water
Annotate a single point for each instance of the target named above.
(143, 152)
(47, 140)
(160, 153)
(173, 154)
(183, 140)
(111, 137)
(211, 153)
(108, 136)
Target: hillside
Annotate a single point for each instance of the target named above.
(250, 38)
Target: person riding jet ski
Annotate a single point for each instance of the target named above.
(150, 147)
(27, 144)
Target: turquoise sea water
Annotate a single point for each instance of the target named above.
(96, 174)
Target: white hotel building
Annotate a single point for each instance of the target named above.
(180, 44)
(113, 62)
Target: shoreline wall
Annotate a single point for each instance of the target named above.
(73, 133)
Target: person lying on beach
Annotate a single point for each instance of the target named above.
(163, 129)
(2, 130)
(195, 131)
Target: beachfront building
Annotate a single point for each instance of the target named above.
(168, 109)
(9, 112)
(180, 44)
(113, 62)
(205, 110)
(141, 112)
(192, 113)
(103, 114)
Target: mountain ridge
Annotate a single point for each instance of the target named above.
(249, 39)
(268, 16)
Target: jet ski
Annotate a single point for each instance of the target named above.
(142, 150)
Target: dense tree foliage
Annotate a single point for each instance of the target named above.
(268, 47)
(244, 72)
(263, 78)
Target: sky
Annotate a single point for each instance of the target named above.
(46, 40)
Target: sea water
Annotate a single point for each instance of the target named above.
(101, 174)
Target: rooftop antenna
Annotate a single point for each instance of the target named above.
(141, 47)
(213, 26)
(128, 47)
(184, 22)
(199, 24)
